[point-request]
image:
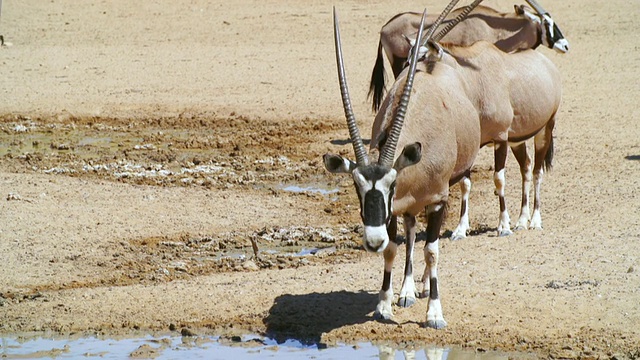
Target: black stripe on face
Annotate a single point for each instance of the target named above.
(557, 34)
(374, 211)
(374, 208)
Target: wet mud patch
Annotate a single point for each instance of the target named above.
(165, 258)
(215, 153)
(276, 247)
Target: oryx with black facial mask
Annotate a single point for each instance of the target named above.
(438, 145)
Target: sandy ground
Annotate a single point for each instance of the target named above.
(144, 145)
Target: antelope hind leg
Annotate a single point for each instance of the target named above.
(463, 227)
(499, 179)
(526, 171)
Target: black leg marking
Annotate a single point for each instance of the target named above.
(433, 232)
(410, 234)
(503, 204)
(433, 288)
(386, 281)
(434, 224)
(392, 229)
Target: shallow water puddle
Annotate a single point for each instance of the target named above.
(214, 347)
(309, 189)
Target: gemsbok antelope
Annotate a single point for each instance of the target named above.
(519, 149)
(517, 96)
(521, 30)
(414, 169)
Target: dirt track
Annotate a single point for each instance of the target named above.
(143, 147)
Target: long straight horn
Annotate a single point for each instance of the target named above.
(463, 15)
(388, 153)
(354, 133)
(537, 7)
(437, 23)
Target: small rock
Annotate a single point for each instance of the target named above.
(250, 265)
(13, 196)
(145, 352)
(187, 332)
(20, 128)
(630, 270)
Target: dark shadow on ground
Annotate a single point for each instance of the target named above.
(632, 157)
(305, 317)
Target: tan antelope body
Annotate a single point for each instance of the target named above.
(519, 30)
(517, 96)
(424, 146)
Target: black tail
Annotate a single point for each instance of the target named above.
(548, 157)
(378, 78)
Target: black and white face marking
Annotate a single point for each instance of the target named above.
(552, 36)
(375, 186)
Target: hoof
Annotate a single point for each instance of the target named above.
(505, 233)
(520, 227)
(406, 301)
(380, 316)
(456, 237)
(436, 324)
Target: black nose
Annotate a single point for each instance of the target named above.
(372, 248)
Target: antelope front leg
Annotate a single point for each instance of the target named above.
(408, 291)
(526, 171)
(435, 318)
(463, 226)
(499, 179)
(385, 297)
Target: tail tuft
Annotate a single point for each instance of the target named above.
(378, 79)
(548, 158)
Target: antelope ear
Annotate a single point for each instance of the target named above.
(519, 9)
(337, 164)
(411, 155)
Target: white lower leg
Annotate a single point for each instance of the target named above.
(385, 297)
(536, 219)
(435, 318)
(463, 226)
(408, 291)
(525, 216)
(504, 226)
